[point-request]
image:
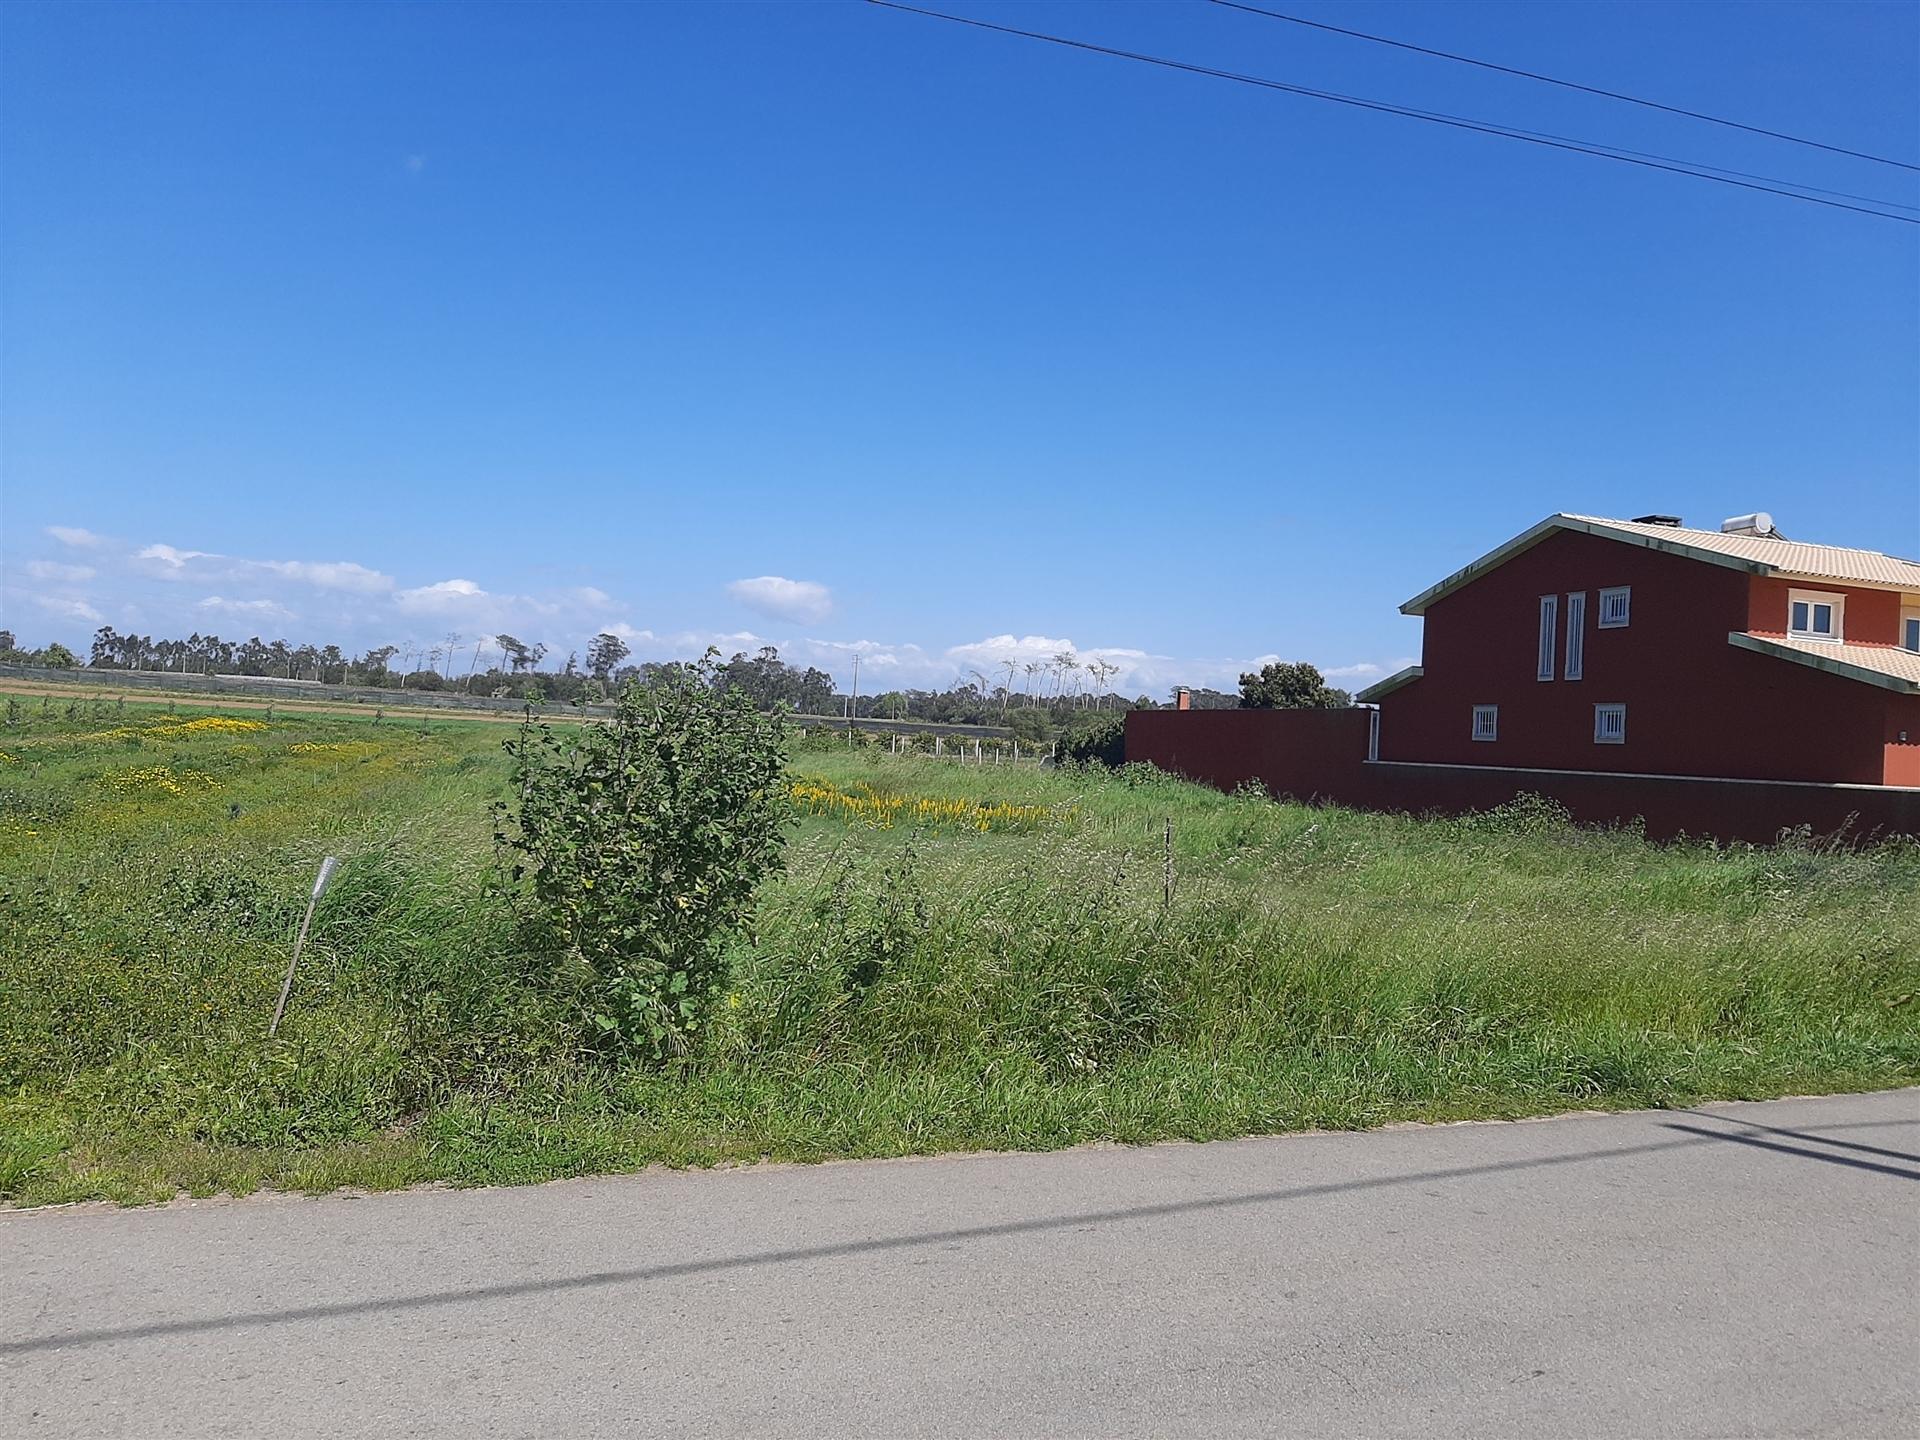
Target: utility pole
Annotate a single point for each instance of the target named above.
(853, 705)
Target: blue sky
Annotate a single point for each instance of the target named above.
(368, 324)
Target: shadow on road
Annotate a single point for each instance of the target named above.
(1774, 1145)
(1808, 1135)
(481, 1293)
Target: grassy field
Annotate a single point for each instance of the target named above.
(957, 957)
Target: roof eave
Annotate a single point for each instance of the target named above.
(1760, 645)
(1529, 538)
(1387, 686)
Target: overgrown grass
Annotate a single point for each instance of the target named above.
(915, 982)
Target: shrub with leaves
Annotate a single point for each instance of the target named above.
(642, 841)
(1099, 740)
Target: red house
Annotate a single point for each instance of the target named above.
(1643, 647)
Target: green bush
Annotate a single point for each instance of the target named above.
(1099, 741)
(642, 842)
(1030, 726)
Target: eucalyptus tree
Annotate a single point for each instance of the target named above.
(605, 651)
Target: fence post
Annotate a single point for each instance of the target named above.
(286, 986)
(1166, 896)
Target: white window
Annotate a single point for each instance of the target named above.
(1816, 615)
(1576, 634)
(1616, 607)
(1549, 618)
(1609, 724)
(1373, 734)
(1910, 631)
(1486, 722)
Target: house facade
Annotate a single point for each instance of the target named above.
(1644, 647)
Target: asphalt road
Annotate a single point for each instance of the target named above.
(1729, 1271)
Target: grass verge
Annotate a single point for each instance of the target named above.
(958, 957)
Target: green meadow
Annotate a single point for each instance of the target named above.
(956, 956)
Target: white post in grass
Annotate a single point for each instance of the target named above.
(327, 867)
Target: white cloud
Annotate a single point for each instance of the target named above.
(254, 609)
(74, 536)
(328, 574)
(446, 597)
(54, 570)
(900, 665)
(804, 601)
(1133, 668)
(998, 649)
(592, 598)
(168, 563)
(1366, 671)
(67, 609)
(1136, 671)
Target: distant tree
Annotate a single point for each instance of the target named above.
(6, 640)
(518, 655)
(1029, 725)
(1102, 670)
(1064, 664)
(373, 665)
(106, 648)
(253, 657)
(1289, 685)
(1201, 698)
(605, 651)
(56, 657)
(815, 695)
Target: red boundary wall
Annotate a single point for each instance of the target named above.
(1321, 755)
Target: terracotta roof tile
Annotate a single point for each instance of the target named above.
(1886, 665)
(1790, 557)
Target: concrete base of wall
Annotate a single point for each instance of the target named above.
(1321, 755)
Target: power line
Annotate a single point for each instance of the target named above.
(1675, 167)
(1566, 84)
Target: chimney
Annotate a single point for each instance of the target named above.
(1183, 699)
(1758, 523)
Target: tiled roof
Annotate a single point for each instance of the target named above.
(1789, 557)
(1756, 554)
(1883, 665)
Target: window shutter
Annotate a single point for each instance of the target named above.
(1576, 635)
(1549, 622)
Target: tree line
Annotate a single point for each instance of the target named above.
(54, 656)
(1034, 698)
